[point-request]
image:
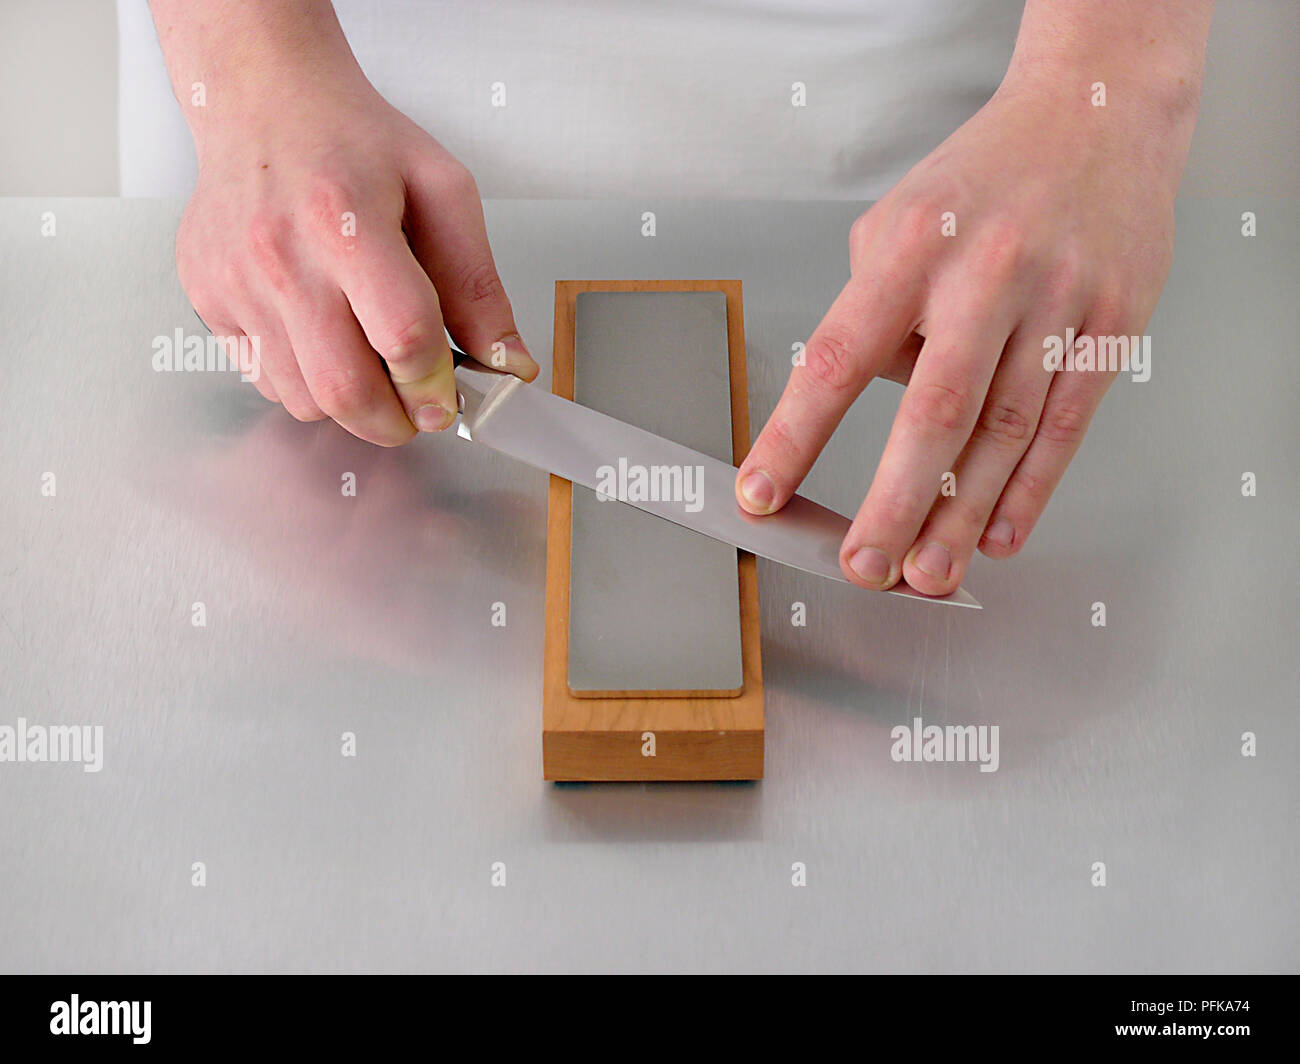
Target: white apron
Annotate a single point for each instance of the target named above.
(744, 99)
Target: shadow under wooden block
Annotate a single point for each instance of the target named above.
(609, 734)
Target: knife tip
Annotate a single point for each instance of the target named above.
(960, 597)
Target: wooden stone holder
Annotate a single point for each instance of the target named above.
(608, 738)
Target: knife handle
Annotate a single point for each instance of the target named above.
(473, 382)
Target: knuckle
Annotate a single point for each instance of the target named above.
(829, 360)
(270, 246)
(341, 394)
(779, 439)
(1064, 423)
(915, 221)
(329, 197)
(1006, 421)
(457, 181)
(1111, 313)
(969, 515)
(862, 234)
(479, 282)
(1033, 488)
(1002, 251)
(1016, 546)
(1003, 550)
(1064, 280)
(967, 512)
(935, 407)
(448, 179)
(896, 509)
(406, 341)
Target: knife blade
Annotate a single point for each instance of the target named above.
(556, 435)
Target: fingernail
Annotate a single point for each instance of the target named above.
(934, 560)
(432, 418)
(759, 491)
(513, 355)
(872, 565)
(1001, 532)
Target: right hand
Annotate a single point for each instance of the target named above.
(343, 237)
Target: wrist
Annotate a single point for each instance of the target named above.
(1139, 104)
(1149, 57)
(242, 71)
(1158, 93)
(271, 96)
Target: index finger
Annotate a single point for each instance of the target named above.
(870, 319)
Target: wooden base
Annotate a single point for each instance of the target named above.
(692, 738)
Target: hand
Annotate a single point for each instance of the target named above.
(1059, 216)
(342, 236)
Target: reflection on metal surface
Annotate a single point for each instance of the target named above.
(374, 550)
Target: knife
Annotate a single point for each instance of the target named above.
(556, 435)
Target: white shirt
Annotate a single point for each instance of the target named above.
(745, 99)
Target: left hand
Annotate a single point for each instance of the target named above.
(1063, 216)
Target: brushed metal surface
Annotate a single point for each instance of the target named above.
(653, 606)
(373, 615)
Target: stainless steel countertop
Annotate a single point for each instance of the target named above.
(372, 614)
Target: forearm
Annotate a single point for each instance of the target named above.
(246, 62)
